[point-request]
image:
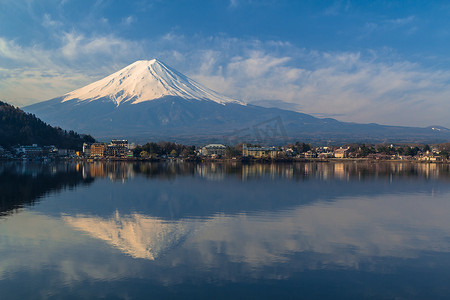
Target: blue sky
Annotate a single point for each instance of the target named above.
(363, 61)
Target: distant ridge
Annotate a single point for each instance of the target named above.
(149, 100)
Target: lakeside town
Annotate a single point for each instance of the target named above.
(122, 150)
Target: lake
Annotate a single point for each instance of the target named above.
(336, 230)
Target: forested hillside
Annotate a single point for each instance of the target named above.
(19, 127)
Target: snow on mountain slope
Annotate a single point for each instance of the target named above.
(146, 80)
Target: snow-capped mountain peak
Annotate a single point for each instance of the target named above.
(146, 80)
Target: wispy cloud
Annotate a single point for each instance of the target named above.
(234, 3)
(77, 45)
(407, 25)
(32, 74)
(49, 22)
(128, 20)
(354, 86)
(337, 8)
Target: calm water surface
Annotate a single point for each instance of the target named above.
(222, 231)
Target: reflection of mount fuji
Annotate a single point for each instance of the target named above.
(323, 231)
(137, 235)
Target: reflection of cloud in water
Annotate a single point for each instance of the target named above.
(373, 233)
(32, 242)
(137, 235)
(342, 233)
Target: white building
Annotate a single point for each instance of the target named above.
(213, 150)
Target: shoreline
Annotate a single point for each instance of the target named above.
(228, 160)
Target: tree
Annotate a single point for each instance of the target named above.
(301, 148)
(232, 152)
(143, 154)
(411, 151)
(18, 127)
(187, 151)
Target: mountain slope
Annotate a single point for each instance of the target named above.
(18, 127)
(149, 100)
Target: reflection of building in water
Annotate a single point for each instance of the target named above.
(113, 170)
(97, 170)
(137, 235)
(310, 168)
(211, 171)
(429, 170)
(339, 171)
(271, 171)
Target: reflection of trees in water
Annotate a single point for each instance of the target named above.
(23, 184)
(393, 170)
(364, 170)
(164, 170)
(170, 170)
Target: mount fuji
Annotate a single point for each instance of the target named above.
(145, 81)
(148, 100)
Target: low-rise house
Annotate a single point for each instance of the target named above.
(341, 152)
(405, 157)
(289, 152)
(310, 154)
(429, 157)
(213, 150)
(29, 151)
(259, 152)
(325, 155)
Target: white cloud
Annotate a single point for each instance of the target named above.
(77, 45)
(32, 74)
(371, 86)
(349, 86)
(70, 49)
